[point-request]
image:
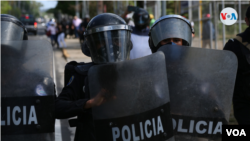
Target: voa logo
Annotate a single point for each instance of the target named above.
(236, 132)
(228, 16)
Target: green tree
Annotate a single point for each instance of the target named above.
(5, 7)
(66, 7)
(16, 8)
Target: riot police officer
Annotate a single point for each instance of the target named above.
(27, 92)
(240, 45)
(139, 35)
(170, 29)
(194, 79)
(108, 39)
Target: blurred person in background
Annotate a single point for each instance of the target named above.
(206, 27)
(139, 35)
(52, 30)
(129, 20)
(192, 24)
(71, 27)
(82, 28)
(50, 21)
(76, 22)
(65, 27)
(152, 20)
(60, 36)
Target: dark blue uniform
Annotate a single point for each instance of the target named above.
(241, 97)
(71, 101)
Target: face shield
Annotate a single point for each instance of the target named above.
(141, 19)
(171, 26)
(109, 45)
(12, 28)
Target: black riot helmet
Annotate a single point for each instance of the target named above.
(170, 26)
(12, 28)
(141, 18)
(108, 38)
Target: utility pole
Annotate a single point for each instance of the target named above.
(10, 5)
(200, 20)
(87, 8)
(19, 4)
(215, 23)
(163, 8)
(235, 7)
(117, 7)
(211, 27)
(239, 5)
(83, 9)
(190, 11)
(223, 26)
(114, 7)
(145, 5)
(99, 7)
(77, 8)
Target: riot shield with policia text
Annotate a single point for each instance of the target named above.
(201, 84)
(27, 95)
(137, 100)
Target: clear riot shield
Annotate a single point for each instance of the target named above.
(27, 91)
(137, 100)
(201, 84)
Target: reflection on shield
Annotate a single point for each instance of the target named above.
(137, 100)
(27, 95)
(201, 83)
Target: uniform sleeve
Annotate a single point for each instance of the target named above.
(68, 103)
(230, 45)
(234, 46)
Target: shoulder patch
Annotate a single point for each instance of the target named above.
(70, 80)
(40, 91)
(232, 39)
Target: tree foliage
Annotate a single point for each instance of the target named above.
(17, 8)
(69, 7)
(5, 7)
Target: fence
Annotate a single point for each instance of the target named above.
(210, 32)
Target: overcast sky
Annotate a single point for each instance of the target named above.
(47, 4)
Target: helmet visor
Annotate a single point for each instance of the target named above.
(171, 28)
(109, 46)
(142, 19)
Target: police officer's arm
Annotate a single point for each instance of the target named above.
(232, 45)
(97, 100)
(68, 103)
(228, 46)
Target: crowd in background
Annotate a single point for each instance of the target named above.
(66, 28)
